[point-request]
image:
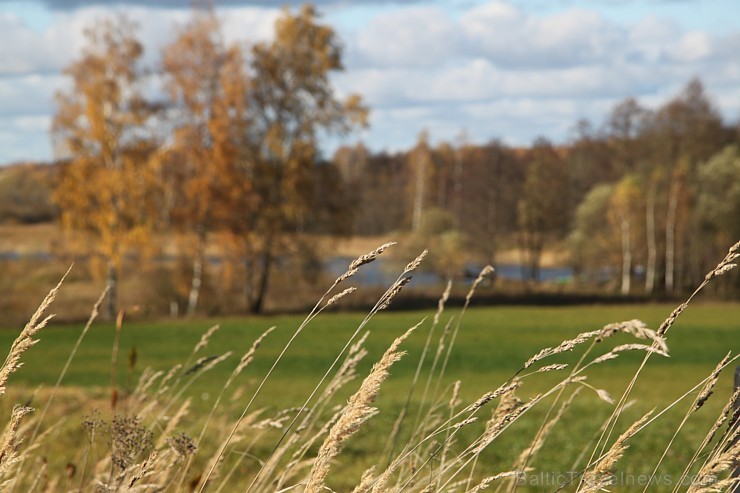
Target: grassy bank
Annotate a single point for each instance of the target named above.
(491, 345)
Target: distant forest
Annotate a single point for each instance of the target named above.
(649, 198)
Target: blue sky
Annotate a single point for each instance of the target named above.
(508, 69)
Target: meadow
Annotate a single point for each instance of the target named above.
(461, 388)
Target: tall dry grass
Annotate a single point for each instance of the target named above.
(149, 440)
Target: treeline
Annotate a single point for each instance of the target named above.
(647, 198)
(222, 139)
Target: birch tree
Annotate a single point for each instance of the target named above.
(206, 82)
(292, 101)
(623, 213)
(106, 188)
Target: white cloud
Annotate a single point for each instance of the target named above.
(417, 36)
(251, 24)
(28, 94)
(24, 139)
(511, 38)
(497, 68)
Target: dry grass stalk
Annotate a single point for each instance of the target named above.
(432, 370)
(164, 383)
(345, 374)
(732, 405)
(357, 411)
(727, 263)
(323, 431)
(465, 422)
(369, 257)
(383, 302)
(248, 356)
(509, 403)
(203, 342)
(556, 367)
(567, 345)
(392, 441)
(347, 370)
(411, 266)
(636, 328)
(143, 470)
(25, 340)
(486, 482)
(724, 415)
(483, 274)
(453, 403)
(393, 292)
(340, 295)
(202, 366)
(539, 440)
(173, 422)
(441, 303)
(732, 254)
(10, 442)
(698, 402)
(631, 347)
(708, 388)
(455, 397)
(489, 396)
(146, 380)
(365, 481)
(707, 480)
(600, 476)
(668, 322)
(500, 422)
(93, 315)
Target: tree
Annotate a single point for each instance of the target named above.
(591, 238)
(207, 83)
(492, 180)
(378, 188)
(718, 203)
(543, 212)
(292, 99)
(625, 126)
(419, 164)
(622, 214)
(106, 188)
(437, 228)
(25, 193)
(684, 132)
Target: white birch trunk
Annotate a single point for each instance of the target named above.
(651, 246)
(197, 280)
(626, 256)
(421, 166)
(670, 236)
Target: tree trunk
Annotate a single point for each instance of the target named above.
(259, 298)
(670, 236)
(112, 291)
(197, 280)
(626, 256)
(248, 281)
(419, 193)
(651, 247)
(458, 188)
(492, 214)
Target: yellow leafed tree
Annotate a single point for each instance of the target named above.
(292, 100)
(105, 189)
(207, 84)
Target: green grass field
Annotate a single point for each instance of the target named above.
(493, 343)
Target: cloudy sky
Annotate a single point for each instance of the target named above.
(508, 69)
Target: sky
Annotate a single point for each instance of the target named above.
(472, 70)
